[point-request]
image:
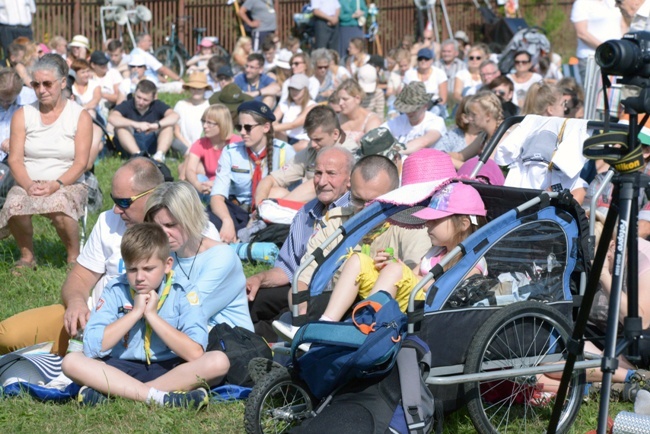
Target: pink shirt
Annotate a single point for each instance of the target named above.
(208, 155)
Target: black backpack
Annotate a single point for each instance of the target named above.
(400, 402)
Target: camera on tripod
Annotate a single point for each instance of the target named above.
(628, 57)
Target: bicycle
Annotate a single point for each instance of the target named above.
(173, 54)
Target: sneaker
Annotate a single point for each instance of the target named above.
(197, 398)
(159, 157)
(285, 331)
(258, 367)
(618, 392)
(539, 398)
(90, 397)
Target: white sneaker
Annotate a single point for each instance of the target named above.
(159, 157)
(285, 331)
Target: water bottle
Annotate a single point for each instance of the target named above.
(76, 343)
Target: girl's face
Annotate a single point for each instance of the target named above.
(247, 46)
(257, 131)
(478, 117)
(210, 128)
(348, 102)
(296, 94)
(441, 232)
(206, 51)
(557, 108)
(352, 49)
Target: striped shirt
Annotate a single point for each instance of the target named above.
(302, 226)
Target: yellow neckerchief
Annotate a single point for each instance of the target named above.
(148, 330)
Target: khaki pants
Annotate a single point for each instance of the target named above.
(34, 326)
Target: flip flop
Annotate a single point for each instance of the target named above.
(21, 265)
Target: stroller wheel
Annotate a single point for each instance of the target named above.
(277, 403)
(523, 335)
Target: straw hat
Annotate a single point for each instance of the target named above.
(198, 80)
(80, 41)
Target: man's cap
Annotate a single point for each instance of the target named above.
(80, 41)
(137, 60)
(412, 97)
(461, 35)
(379, 141)
(377, 61)
(197, 80)
(298, 81)
(427, 53)
(99, 58)
(231, 96)
(225, 71)
(282, 59)
(259, 108)
(367, 76)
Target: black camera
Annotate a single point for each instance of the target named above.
(628, 57)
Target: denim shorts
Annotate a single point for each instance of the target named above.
(140, 370)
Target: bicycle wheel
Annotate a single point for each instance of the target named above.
(276, 404)
(522, 335)
(221, 52)
(171, 59)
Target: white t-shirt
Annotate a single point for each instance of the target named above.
(470, 86)
(520, 89)
(436, 78)
(603, 21)
(87, 96)
(314, 87)
(152, 63)
(190, 119)
(290, 112)
(404, 132)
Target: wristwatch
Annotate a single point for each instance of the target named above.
(60, 183)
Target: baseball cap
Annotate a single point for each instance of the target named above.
(454, 198)
(137, 60)
(367, 76)
(206, 42)
(99, 58)
(225, 71)
(426, 53)
(298, 81)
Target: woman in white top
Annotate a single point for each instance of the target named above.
(524, 77)
(291, 113)
(88, 93)
(357, 55)
(468, 81)
(50, 143)
(301, 64)
(434, 79)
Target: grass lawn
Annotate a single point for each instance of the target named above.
(42, 287)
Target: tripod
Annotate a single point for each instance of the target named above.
(626, 159)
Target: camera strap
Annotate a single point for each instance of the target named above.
(612, 148)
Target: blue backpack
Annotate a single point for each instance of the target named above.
(364, 346)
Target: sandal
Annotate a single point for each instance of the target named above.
(21, 265)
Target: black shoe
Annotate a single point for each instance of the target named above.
(197, 398)
(90, 397)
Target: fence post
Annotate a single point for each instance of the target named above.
(182, 24)
(76, 20)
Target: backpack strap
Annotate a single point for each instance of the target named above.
(325, 332)
(407, 366)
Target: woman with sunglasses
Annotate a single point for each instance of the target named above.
(434, 79)
(203, 158)
(49, 148)
(301, 64)
(523, 77)
(468, 81)
(242, 166)
(213, 267)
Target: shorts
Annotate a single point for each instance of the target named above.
(368, 275)
(140, 370)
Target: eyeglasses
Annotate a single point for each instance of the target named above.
(46, 84)
(522, 62)
(245, 127)
(488, 73)
(125, 202)
(475, 57)
(208, 123)
(423, 59)
(296, 63)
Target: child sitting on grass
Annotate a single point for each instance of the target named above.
(146, 338)
(454, 213)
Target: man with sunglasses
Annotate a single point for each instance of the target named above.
(99, 262)
(144, 123)
(257, 84)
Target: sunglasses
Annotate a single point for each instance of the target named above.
(208, 123)
(522, 62)
(46, 84)
(323, 67)
(296, 63)
(423, 59)
(500, 92)
(475, 57)
(245, 127)
(125, 202)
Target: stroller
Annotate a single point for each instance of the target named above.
(530, 39)
(499, 333)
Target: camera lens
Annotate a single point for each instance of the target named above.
(619, 57)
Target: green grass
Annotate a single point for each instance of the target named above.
(42, 287)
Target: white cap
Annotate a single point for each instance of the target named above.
(367, 76)
(282, 59)
(137, 60)
(298, 81)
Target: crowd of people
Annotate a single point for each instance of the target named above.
(326, 131)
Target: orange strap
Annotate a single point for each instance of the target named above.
(365, 328)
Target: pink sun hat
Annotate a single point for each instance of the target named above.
(490, 171)
(454, 198)
(427, 165)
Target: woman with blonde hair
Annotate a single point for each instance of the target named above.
(203, 158)
(301, 64)
(243, 48)
(355, 120)
(468, 81)
(357, 55)
(544, 100)
(291, 114)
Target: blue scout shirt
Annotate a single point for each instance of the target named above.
(181, 310)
